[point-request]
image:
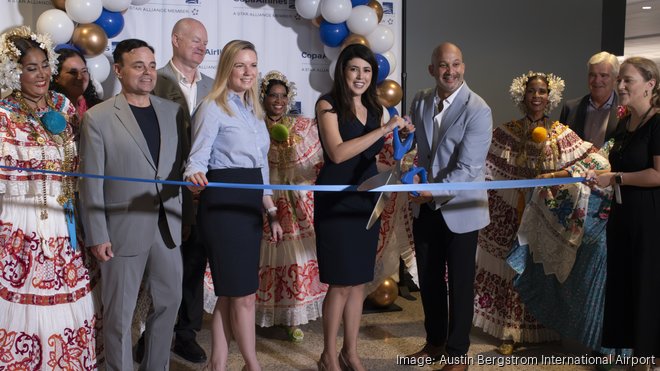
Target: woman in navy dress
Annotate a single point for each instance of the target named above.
(349, 120)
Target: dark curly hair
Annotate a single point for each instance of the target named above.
(90, 94)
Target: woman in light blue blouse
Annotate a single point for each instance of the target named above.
(230, 145)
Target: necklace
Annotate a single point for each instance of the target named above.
(641, 121)
(52, 121)
(621, 145)
(36, 102)
(531, 157)
(61, 139)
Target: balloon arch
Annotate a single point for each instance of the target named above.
(346, 22)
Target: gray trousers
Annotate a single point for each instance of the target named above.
(120, 282)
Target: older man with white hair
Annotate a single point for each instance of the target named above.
(593, 117)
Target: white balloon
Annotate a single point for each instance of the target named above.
(308, 9)
(57, 24)
(381, 39)
(139, 2)
(331, 53)
(363, 20)
(116, 5)
(99, 67)
(391, 58)
(98, 87)
(83, 11)
(386, 114)
(331, 69)
(336, 11)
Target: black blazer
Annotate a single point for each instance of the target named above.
(574, 114)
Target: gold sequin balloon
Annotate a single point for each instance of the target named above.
(385, 294)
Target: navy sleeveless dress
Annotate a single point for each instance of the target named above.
(346, 250)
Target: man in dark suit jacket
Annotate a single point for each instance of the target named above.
(132, 228)
(181, 81)
(593, 117)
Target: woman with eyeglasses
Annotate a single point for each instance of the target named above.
(73, 80)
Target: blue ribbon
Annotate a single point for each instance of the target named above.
(70, 218)
(458, 186)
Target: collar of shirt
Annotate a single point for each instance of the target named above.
(447, 101)
(182, 79)
(236, 99)
(606, 106)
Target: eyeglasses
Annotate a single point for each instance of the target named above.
(78, 72)
(276, 95)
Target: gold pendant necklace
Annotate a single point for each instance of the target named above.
(60, 140)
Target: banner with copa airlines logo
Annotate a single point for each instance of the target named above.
(284, 41)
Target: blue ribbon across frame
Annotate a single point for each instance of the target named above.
(459, 186)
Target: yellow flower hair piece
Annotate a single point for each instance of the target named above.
(519, 85)
(10, 69)
(277, 75)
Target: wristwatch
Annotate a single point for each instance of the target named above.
(618, 178)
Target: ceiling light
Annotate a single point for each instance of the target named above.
(647, 7)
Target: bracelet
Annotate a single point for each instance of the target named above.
(271, 210)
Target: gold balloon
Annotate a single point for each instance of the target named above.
(375, 5)
(58, 4)
(355, 39)
(389, 93)
(90, 38)
(317, 21)
(385, 294)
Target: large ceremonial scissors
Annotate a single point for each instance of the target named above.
(392, 176)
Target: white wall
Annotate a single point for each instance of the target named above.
(502, 39)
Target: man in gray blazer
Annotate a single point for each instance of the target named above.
(181, 81)
(593, 117)
(454, 129)
(134, 228)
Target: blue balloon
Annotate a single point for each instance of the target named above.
(333, 34)
(67, 46)
(359, 2)
(392, 111)
(383, 68)
(111, 22)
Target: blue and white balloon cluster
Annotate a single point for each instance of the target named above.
(345, 22)
(86, 25)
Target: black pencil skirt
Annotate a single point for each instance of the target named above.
(231, 225)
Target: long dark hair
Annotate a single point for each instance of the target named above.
(90, 94)
(341, 94)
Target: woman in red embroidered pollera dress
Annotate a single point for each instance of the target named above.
(47, 309)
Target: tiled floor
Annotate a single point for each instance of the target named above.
(383, 337)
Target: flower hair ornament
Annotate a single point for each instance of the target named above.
(10, 68)
(277, 75)
(519, 85)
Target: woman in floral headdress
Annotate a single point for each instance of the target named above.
(47, 316)
(523, 149)
(290, 292)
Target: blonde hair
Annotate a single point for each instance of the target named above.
(219, 91)
(606, 58)
(649, 71)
